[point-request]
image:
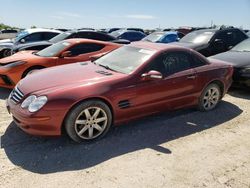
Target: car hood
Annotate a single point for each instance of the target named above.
(6, 41)
(66, 77)
(193, 46)
(20, 56)
(237, 59)
(6, 44)
(32, 44)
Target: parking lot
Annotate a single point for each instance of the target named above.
(186, 148)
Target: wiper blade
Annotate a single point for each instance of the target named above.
(106, 67)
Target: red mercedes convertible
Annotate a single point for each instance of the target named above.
(136, 80)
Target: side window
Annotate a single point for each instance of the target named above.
(33, 37)
(85, 48)
(47, 36)
(102, 37)
(222, 36)
(157, 65)
(176, 62)
(239, 36)
(197, 61)
(85, 35)
(170, 38)
(171, 63)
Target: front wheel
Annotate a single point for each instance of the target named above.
(210, 97)
(6, 53)
(88, 121)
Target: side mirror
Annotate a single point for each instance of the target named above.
(65, 54)
(152, 75)
(22, 40)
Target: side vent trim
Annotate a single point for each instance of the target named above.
(124, 104)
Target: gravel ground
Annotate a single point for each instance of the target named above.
(186, 148)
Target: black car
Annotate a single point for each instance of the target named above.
(68, 35)
(135, 29)
(239, 58)
(213, 41)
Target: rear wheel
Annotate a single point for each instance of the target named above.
(210, 97)
(88, 121)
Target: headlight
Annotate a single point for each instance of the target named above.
(34, 103)
(28, 101)
(14, 64)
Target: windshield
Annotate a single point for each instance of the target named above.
(244, 46)
(125, 59)
(53, 50)
(154, 37)
(60, 37)
(116, 33)
(198, 37)
(20, 36)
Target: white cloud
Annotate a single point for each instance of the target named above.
(140, 16)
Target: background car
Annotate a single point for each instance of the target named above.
(8, 33)
(248, 33)
(239, 58)
(128, 35)
(17, 66)
(135, 29)
(87, 34)
(26, 36)
(133, 81)
(212, 41)
(162, 37)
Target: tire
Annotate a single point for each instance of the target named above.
(6, 53)
(210, 97)
(88, 121)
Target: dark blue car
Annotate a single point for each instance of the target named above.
(128, 35)
(163, 37)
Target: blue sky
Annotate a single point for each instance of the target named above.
(128, 13)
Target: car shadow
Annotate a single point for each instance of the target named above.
(4, 93)
(49, 155)
(243, 93)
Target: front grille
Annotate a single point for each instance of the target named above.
(16, 95)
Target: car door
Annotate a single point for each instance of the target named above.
(82, 52)
(176, 88)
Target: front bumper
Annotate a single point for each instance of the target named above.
(41, 123)
(241, 79)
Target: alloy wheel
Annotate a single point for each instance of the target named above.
(211, 98)
(91, 123)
